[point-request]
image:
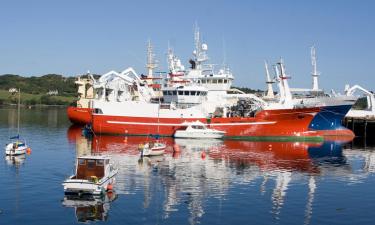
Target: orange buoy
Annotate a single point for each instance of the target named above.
(176, 148)
(28, 151)
(109, 187)
(203, 155)
(110, 195)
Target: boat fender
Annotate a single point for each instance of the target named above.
(203, 155)
(28, 151)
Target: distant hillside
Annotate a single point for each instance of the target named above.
(40, 85)
(34, 89)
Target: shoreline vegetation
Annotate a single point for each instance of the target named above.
(47, 90)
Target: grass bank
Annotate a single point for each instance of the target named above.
(7, 98)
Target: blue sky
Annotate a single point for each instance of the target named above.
(70, 37)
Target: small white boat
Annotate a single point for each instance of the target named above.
(152, 149)
(198, 129)
(16, 147)
(94, 175)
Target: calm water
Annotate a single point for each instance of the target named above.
(208, 182)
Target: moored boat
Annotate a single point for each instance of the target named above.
(17, 146)
(152, 149)
(333, 108)
(198, 129)
(94, 175)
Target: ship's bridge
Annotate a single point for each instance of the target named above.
(220, 81)
(185, 95)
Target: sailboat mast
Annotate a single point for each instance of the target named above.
(18, 113)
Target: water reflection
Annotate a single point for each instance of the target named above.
(192, 171)
(16, 160)
(90, 208)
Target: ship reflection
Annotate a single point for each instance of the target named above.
(90, 208)
(191, 171)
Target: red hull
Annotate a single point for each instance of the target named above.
(268, 156)
(267, 123)
(79, 115)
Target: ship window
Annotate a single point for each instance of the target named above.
(220, 81)
(225, 81)
(180, 92)
(100, 162)
(186, 93)
(90, 163)
(193, 93)
(209, 81)
(164, 92)
(204, 81)
(214, 81)
(174, 92)
(170, 92)
(81, 162)
(199, 81)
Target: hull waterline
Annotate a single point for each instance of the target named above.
(266, 124)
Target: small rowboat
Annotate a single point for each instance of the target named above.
(152, 149)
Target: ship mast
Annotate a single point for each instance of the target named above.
(151, 62)
(18, 113)
(314, 72)
(200, 50)
(284, 83)
(269, 82)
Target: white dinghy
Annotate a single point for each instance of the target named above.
(198, 129)
(94, 175)
(152, 149)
